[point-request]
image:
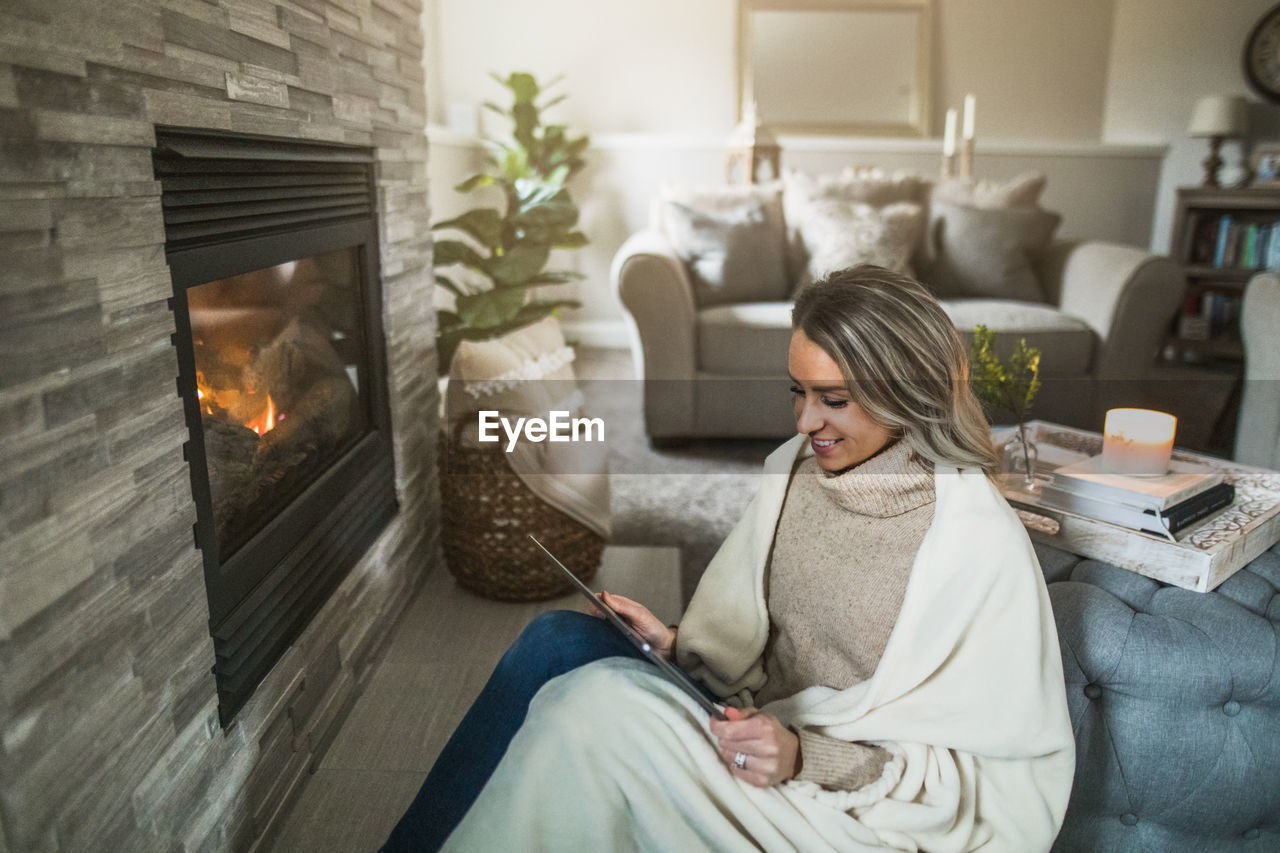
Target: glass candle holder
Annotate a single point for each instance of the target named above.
(1138, 442)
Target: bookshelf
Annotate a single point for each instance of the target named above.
(1221, 237)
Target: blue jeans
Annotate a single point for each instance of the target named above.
(551, 645)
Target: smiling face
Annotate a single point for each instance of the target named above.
(839, 431)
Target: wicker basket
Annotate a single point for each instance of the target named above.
(486, 518)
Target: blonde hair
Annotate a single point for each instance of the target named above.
(902, 360)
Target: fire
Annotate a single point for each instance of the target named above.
(238, 406)
(267, 420)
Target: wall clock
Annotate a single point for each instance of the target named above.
(1262, 56)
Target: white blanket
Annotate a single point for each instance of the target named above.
(968, 699)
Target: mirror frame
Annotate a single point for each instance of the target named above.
(921, 105)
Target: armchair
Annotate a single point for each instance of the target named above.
(1258, 429)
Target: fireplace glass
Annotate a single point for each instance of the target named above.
(272, 245)
(278, 376)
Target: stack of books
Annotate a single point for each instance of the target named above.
(1158, 505)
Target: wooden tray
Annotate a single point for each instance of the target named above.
(1203, 555)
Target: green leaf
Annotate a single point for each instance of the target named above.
(997, 386)
(557, 212)
(523, 86)
(490, 307)
(448, 252)
(449, 284)
(474, 182)
(526, 123)
(534, 311)
(482, 223)
(448, 339)
(549, 278)
(490, 105)
(447, 319)
(572, 240)
(518, 265)
(515, 163)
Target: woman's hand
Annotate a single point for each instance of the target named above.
(771, 752)
(660, 637)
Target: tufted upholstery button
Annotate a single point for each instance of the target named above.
(1250, 834)
(1231, 708)
(1092, 691)
(1128, 819)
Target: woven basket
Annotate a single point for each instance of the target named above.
(487, 515)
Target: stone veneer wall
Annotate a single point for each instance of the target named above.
(109, 738)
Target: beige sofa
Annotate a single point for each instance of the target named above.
(719, 370)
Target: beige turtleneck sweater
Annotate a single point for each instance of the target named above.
(837, 574)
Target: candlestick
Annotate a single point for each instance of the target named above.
(970, 103)
(1138, 442)
(949, 135)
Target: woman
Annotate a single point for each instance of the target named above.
(879, 603)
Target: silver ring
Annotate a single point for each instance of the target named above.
(740, 761)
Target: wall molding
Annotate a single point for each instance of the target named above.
(445, 136)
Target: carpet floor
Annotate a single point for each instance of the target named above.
(688, 496)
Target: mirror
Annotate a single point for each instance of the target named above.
(837, 66)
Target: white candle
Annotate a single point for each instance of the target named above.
(969, 104)
(949, 136)
(1138, 441)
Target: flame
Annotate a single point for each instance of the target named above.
(267, 421)
(232, 404)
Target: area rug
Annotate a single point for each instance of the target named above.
(688, 496)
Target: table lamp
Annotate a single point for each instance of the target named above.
(1217, 117)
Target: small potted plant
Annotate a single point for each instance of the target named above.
(1008, 389)
(508, 248)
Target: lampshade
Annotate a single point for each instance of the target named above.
(1218, 115)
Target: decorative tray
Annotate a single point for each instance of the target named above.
(1201, 557)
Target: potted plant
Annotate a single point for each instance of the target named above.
(1008, 388)
(509, 247)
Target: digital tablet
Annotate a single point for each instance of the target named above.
(672, 672)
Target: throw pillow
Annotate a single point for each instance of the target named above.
(862, 185)
(981, 252)
(529, 373)
(721, 199)
(840, 234)
(1023, 191)
(734, 255)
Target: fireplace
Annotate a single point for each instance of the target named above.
(272, 248)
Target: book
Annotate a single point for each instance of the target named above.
(1231, 250)
(1249, 246)
(1161, 523)
(1204, 239)
(1264, 243)
(1220, 247)
(1089, 479)
(1272, 260)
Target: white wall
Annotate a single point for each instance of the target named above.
(1037, 67)
(660, 66)
(1164, 55)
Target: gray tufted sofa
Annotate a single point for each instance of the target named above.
(1175, 704)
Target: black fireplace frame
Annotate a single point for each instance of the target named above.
(233, 204)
